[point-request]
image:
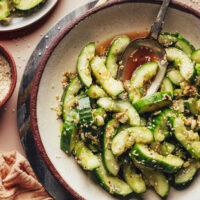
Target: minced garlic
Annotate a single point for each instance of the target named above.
(5, 78)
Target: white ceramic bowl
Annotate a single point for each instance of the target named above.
(98, 24)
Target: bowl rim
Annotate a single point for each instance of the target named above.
(35, 87)
(12, 64)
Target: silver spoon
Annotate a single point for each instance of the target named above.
(150, 42)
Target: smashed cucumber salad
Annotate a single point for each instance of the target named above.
(17, 7)
(128, 140)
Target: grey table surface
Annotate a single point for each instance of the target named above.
(54, 188)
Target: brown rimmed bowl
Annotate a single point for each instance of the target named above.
(98, 24)
(11, 62)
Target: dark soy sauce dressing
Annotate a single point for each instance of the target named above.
(140, 57)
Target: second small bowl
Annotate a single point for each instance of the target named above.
(4, 52)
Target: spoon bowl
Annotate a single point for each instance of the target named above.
(158, 51)
(153, 45)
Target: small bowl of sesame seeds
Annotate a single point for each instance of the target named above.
(8, 75)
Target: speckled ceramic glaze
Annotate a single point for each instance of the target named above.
(113, 18)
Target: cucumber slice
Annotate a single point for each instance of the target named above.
(134, 180)
(175, 77)
(4, 9)
(167, 148)
(143, 74)
(167, 86)
(115, 50)
(99, 116)
(85, 157)
(167, 39)
(153, 102)
(111, 86)
(96, 92)
(185, 175)
(188, 139)
(25, 5)
(147, 157)
(127, 137)
(85, 110)
(68, 137)
(197, 68)
(68, 99)
(160, 126)
(121, 106)
(191, 105)
(185, 46)
(155, 178)
(84, 58)
(110, 162)
(68, 134)
(164, 148)
(196, 56)
(112, 184)
(185, 64)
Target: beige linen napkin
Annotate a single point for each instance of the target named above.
(17, 179)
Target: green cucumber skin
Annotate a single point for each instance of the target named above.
(153, 102)
(133, 179)
(85, 156)
(192, 106)
(189, 145)
(196, 56)
(167, 86)
(116, 48)
(4, 10)
(175, 77)
(167, 39)
(111, 105)
(164, 148)
(143, 74)
(147, 161)
(68, 131)
(111, 86)
(85, 110)
(109, 182)
(69, 95)
(99, 116)
(68, 134)
(125, 139)
(156, 179)
(96, 92)
(19, 4)
(185, 46)
(160, 122)
(167, 148)
(197, 67)
(182, 60)
(185, 175)
(83, 68)
(110, 130)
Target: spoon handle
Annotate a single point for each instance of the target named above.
(157, 26)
